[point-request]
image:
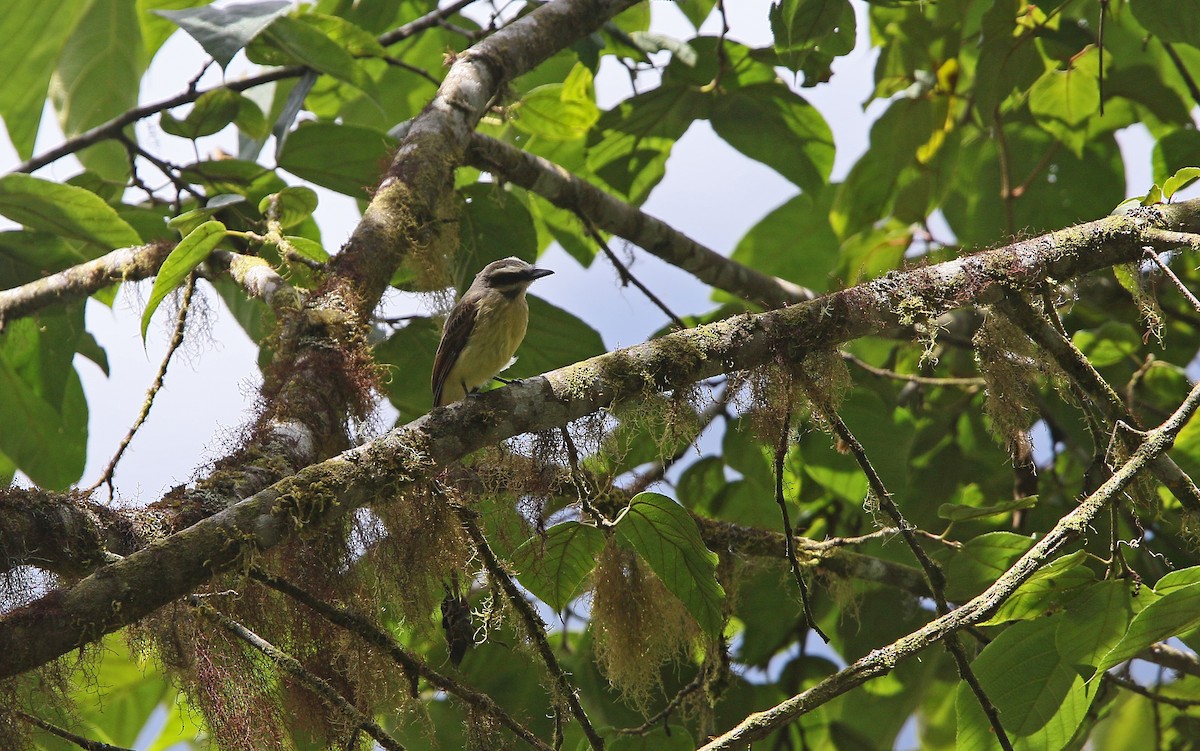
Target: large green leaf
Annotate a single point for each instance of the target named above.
(97, 79)
(41, 396)
(810, 33)
(361, 156)
(665, 536)
(1170, 20)
(794, 242)
(1094, 622)
(771, 123)
(64, 210)
(223, 31)
(1175, 613)
(33, 32)
(492, 224)
(555, 567)
(305, 44)
(1044, 589)
(1040, 697)
(408, 359)
(980, 561)
(212, 111)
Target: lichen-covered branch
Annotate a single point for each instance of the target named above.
(124, 592)
(77, 282)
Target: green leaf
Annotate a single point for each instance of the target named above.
(665, 536)
(1040, 697)
(304, 43)
(555, 567)
(97, 79)
(492, 224)
(1068, 96)
(1170, 20)
(1175, 613)
(550, 112)
(1093, 623)
(808, 29)
(190, 220)
(1184, 577)
(212, 111)
(292, 205)
(776, 126)
(42, 399)
(64, 210)
(1108, 345)
(187, 255)
(34, 32)
(771, 245)
(981, 561)
(362, 155)
(222, 32)
(1180, 180)
(1040, 592)
(958, 513)
(630, 144)
(407, 357)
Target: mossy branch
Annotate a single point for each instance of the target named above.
(124, 592)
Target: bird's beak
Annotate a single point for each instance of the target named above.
(536, 273)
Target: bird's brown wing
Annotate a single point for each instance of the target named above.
(454, 338)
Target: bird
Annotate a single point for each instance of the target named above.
(484, 329)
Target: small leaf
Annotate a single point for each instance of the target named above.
(555, 567)
(187, 255)
(190, 220)
(665, 536)
(1180, 180)
(222, 32)
(293, 205)
(958, 513)
(212, 111)
(64, 210)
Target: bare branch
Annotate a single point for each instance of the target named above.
(567, 191)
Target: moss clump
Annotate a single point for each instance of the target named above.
(639, 625)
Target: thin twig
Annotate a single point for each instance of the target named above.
(1183, 290)
(933, 572)
(789, 546)
(535, 629)
(627, 276)
(106, 477)
(659, 717)
(883, 660)
(111, 128)
(292, 666)
(582, 491)
(85, 743)
(412, 665)
(912, 378)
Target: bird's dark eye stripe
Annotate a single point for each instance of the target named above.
(505, 278)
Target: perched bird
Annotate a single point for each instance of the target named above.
(484, 329)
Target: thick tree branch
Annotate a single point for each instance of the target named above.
(77, 282)
(881, 661)
(126, 591)
(565, 190)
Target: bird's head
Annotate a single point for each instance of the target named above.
(509, 275)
